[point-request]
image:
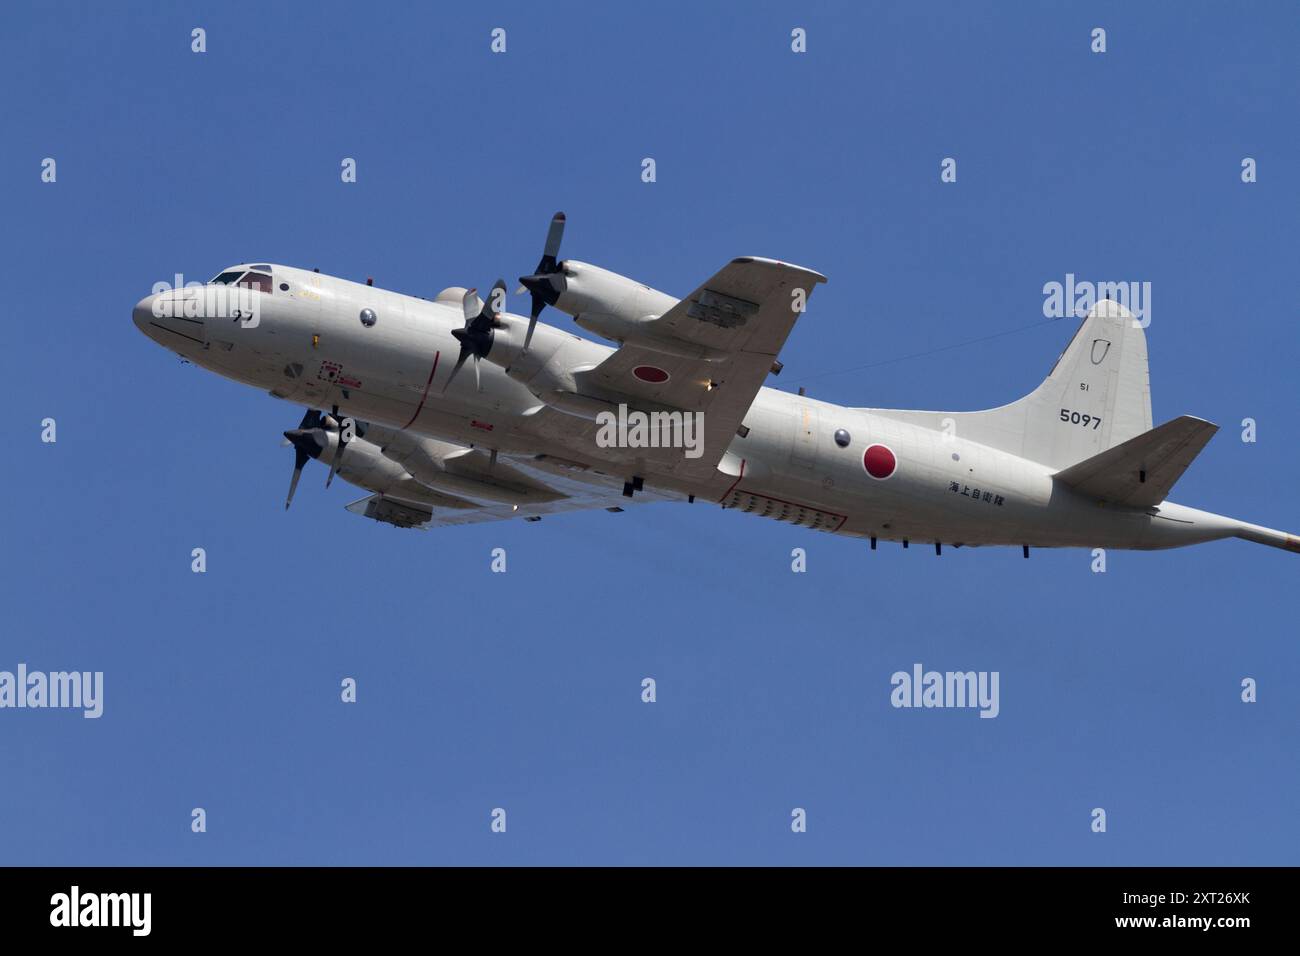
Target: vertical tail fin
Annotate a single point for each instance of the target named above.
(1097, 395)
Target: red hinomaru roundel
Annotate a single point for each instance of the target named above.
(879, 461)
(651, 374)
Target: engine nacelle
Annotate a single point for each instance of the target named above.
(456, 469)
(608, 304)
(549, 368)
(623, 310)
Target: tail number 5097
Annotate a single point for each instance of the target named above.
(1080, 418)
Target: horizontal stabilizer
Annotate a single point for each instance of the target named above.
(1140, 471)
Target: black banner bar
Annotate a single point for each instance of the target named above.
(370, 904)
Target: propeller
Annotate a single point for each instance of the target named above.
(476, 337)
(339, 423)
(547, 281)
(306, 444)
(311, 438)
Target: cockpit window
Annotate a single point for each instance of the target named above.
(227, 278)
(257, 280)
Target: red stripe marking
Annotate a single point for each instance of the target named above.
(419, 408)
(726, 493)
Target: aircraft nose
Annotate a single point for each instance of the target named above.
(168, 319)
(142, 314)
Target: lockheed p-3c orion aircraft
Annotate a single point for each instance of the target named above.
(545, 421)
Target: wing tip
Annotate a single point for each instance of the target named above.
(762, 260)
(1194, 420)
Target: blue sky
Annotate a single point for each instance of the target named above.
(480, 690)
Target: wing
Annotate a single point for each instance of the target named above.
(710, 352)
(583, 490)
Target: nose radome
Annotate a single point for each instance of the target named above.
(142, 314)
(164, 318)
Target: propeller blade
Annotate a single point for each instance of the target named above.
(464, 354)
(341, 422)
(338, 458)
(471, 305)
(545, 283)
(496, 299)
(552, 248)
(478, 382)
(546, 290)
(299, 459)
(306, 444)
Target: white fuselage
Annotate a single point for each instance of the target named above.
(309, 347)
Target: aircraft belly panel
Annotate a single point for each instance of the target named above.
(801, 515)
